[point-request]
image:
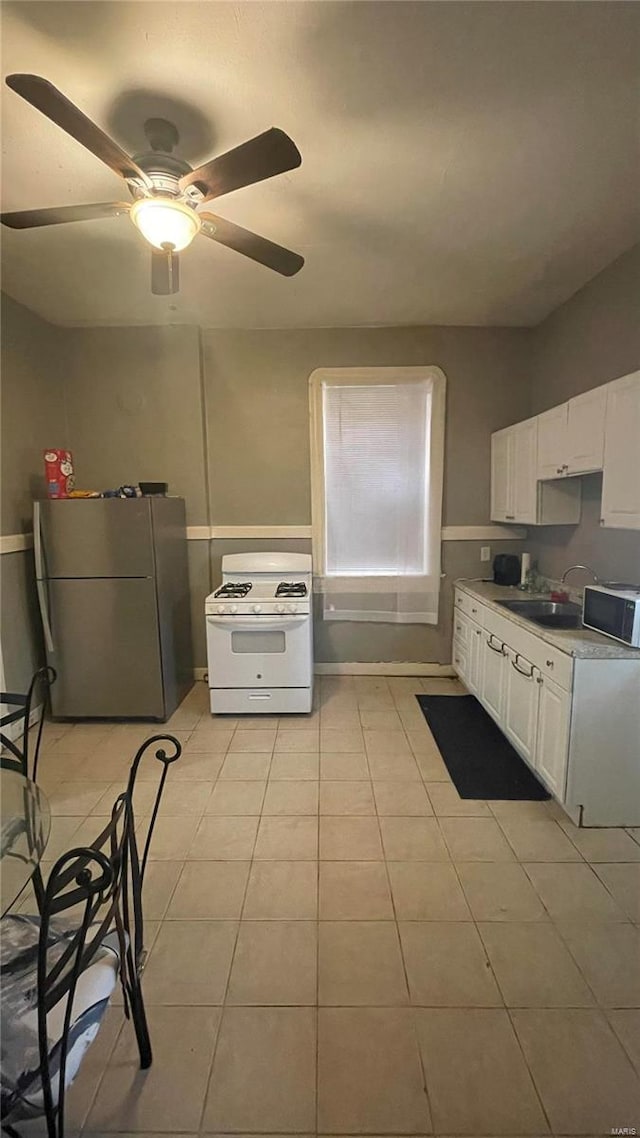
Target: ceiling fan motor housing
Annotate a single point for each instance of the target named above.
(165, 171)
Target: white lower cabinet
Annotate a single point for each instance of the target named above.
(554, 719)
(474, 679)
(466, 650)
(494, 674)
(533, 711)
(521, 705)
(578, 730)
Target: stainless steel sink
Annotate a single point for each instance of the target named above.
(552, 614)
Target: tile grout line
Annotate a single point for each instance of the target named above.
(223, 1005)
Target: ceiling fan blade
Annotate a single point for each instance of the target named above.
(165, 273)
(262, 157)
(258, 248)
(59, 215)
(46, 98)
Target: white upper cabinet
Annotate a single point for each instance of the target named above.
(525, 490)
(513, 473)
(571, 436)
(621, 481)
(552, 442)
(585, 432)
(535, 464)
(501, 474)
(516, 495)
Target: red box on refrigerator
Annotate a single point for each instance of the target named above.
(58, 469)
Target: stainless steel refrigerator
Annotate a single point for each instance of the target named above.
(113, 588)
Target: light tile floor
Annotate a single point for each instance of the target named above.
(340, 945)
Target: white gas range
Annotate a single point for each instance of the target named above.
(260, 635)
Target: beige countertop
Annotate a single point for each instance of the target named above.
(578, 642)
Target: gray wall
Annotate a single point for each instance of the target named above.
(257, 400)
(591, 339)
(223, 416)
(256, 385)
(33, 418)
(32, 404)
(134, 407)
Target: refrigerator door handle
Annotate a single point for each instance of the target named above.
(40, 581)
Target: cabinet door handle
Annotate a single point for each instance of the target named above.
(539, 680)
(478, 632)
(510, 517)
(559, 469)
(458, 628)
(565, 466)
(514, 664)
(549, 663)
(500, 651)
(474, 610)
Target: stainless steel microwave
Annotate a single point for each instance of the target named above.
(613, 611)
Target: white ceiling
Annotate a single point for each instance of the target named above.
(463, 163)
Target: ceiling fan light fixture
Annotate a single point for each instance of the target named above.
(164, 223)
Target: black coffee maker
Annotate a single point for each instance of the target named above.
(506, 569)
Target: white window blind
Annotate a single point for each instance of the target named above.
(377, 439)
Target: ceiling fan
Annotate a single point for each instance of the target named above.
(166, 191)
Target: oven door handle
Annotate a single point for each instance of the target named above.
(258, 623)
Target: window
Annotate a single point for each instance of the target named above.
(377, 463)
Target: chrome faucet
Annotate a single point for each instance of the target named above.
(572, 567)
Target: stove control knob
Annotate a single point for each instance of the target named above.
(233, 609)
(292, 608)
(222, 608)
(257, 608)
(280, 608)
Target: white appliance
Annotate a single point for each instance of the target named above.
(260, 635)
(613, 609)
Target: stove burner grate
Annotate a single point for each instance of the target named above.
(234, 589)
(291, 589)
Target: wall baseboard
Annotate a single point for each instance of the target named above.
(257, 533)
(16, 542)
(282, 533)
(357, 668)
(442, 671)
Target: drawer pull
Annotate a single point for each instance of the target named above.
(549, 663)
(510, 517)
(458, 628)
(527, 675)
(474, 610)
(539, 680)
(559, 470)
(478, 632)
(491, 645)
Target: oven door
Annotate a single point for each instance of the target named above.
(259, 651)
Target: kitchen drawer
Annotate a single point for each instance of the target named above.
(461, 629)
(557, 665)
(470, 606)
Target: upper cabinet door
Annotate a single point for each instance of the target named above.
(621, 482)
(552, 442)
(525, 487)
(502, 476)
(585, 432)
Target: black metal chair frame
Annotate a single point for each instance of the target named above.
(106, 880)
(18, 757)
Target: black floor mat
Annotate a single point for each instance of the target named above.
(479, 758)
